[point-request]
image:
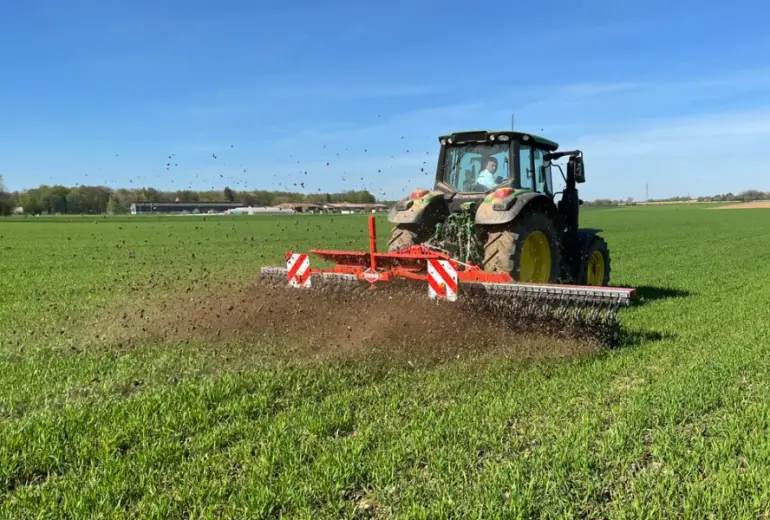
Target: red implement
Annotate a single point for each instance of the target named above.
(412, 263)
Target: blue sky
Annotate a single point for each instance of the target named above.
(676, 95)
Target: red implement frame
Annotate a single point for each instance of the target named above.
(410, 262)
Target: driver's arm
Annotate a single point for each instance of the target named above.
(486, 180)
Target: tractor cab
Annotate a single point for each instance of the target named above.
(478, 162)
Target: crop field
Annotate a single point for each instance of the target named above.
(142, 376)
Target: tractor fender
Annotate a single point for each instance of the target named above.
(501, 211)
(583, 239)
(585, 235)
(421, 211)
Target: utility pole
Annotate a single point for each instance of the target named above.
(511, 122)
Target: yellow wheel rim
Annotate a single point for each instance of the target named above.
(535, 260)
(596, 268)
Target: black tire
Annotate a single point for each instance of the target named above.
(504, 243)
(405, 235)
(592, 245)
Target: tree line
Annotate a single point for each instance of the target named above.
(101, 199)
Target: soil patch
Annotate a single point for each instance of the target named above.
(746, 205)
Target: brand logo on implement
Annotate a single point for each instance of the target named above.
(442, 280)
(298, 270)
(371, 276)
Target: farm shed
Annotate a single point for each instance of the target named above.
(141, 208)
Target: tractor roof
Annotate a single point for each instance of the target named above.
(483, 135)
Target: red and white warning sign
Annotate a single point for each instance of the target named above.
(371, 276)
(442, 280)
(298, 265)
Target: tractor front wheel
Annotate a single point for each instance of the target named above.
(595, 263)
(527, 248)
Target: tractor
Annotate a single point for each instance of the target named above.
(493, 203)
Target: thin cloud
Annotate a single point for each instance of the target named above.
(692, 132)
(697, 156)
(549, 108)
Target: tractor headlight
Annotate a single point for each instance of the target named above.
(418, 194)
(502, 193)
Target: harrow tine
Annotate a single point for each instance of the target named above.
(551, 314)
(601, 297)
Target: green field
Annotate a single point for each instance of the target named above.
(101, 419)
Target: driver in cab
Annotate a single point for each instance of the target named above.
(487, 176)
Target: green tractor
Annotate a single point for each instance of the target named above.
(493, 205)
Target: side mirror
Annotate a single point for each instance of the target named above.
(575, 169)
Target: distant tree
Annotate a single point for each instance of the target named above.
(247, 198)
(112, 205)
(263, 198)
(32, 205)
(6, 200)
(100, 199)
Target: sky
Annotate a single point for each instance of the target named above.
(665, 98)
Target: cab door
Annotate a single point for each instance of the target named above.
(526, 167)
(542, 173)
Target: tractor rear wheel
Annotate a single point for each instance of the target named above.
(595, 263)
(527, 248)
(405, 235)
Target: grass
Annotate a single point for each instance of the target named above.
(673, 424)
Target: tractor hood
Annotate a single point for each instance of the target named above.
(503, 205)
(412, 210)
(490, 208)
(503, 198)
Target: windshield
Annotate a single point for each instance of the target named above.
(476, 167)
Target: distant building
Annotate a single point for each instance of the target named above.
(301, 207)
(353, 207)
(340, 207)
(142, 208)
(260, 211)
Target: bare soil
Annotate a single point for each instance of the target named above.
(746, 205)
(304, 324)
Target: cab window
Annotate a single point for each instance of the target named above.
(477, 167)
(525, 167)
